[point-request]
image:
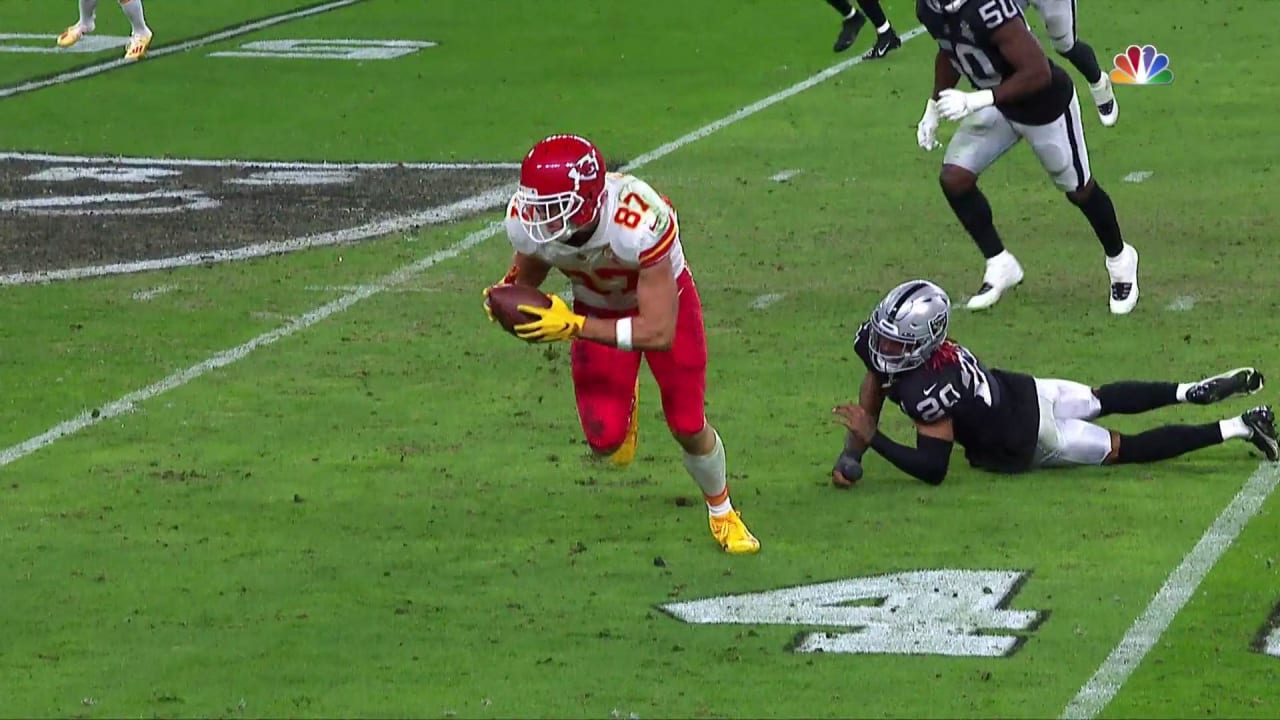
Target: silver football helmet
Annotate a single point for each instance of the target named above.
(908, 325)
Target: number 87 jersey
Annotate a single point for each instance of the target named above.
(637, 228)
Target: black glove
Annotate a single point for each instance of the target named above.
(849, 465)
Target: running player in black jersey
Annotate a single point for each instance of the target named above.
(1007, 421)
(1019, 93)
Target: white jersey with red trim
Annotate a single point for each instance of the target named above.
(638, 228)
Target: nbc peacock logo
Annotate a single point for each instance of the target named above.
(1142, 66)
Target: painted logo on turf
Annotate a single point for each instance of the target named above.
(1142, 66)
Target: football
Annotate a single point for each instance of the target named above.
(503, 300)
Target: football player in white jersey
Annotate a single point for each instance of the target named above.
(618, 241)
(139, 39)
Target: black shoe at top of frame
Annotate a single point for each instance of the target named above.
(1262, 421)
(849, 32)
(886, 43)
(1241, 381)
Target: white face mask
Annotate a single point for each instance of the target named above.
(547, 217)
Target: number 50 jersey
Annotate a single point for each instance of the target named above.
(964, 36)
(637, 229)
(995, 414)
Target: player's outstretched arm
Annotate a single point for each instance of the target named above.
(1031, 72)
(848, 467)
(870, 399)
(654, 326)
(929, 459)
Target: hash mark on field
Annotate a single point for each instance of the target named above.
(766, 300)
(233, 31)
(1172, 596)
(1182, 303)
(144, 295)
(1138, 176)
(272, 315)
(389, 281)
(785, 175)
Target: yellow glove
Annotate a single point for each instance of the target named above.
(554, 324)
(507, 279)
(488, 310)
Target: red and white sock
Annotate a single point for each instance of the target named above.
(709, 472)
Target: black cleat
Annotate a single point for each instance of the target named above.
(886, 43)
(1241, 381)
(849, 30)
(1263, 424)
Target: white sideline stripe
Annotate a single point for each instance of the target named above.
(398, 277)
(1172, 596)
(445, 213)
(236, 31)
(251, 164)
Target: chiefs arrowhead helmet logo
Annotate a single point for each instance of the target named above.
(584, 168)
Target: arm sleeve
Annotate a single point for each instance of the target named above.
(927, 461)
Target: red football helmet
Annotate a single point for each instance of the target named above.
(561, 187)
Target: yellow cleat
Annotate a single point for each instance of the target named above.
(733, 535)
(137, 49)
(70, 36)
(626, 452)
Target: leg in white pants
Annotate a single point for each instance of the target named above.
(1066, 436)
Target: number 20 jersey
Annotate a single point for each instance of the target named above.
(995, 414)
(964, 36)
(638, 228)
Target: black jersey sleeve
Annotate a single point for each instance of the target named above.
(862, 345)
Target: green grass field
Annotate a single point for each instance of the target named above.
(386, 510)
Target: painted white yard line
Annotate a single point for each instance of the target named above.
(387, 282)
(766, 300)
(1172, 596)
(360, 288)
(144, 295)
(445, 213)
(785, 175)
(1271, 646)
(1181, 303)
(1138, 176)
(251, 164)
(91, 70)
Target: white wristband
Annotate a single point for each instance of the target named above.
(622, 332)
